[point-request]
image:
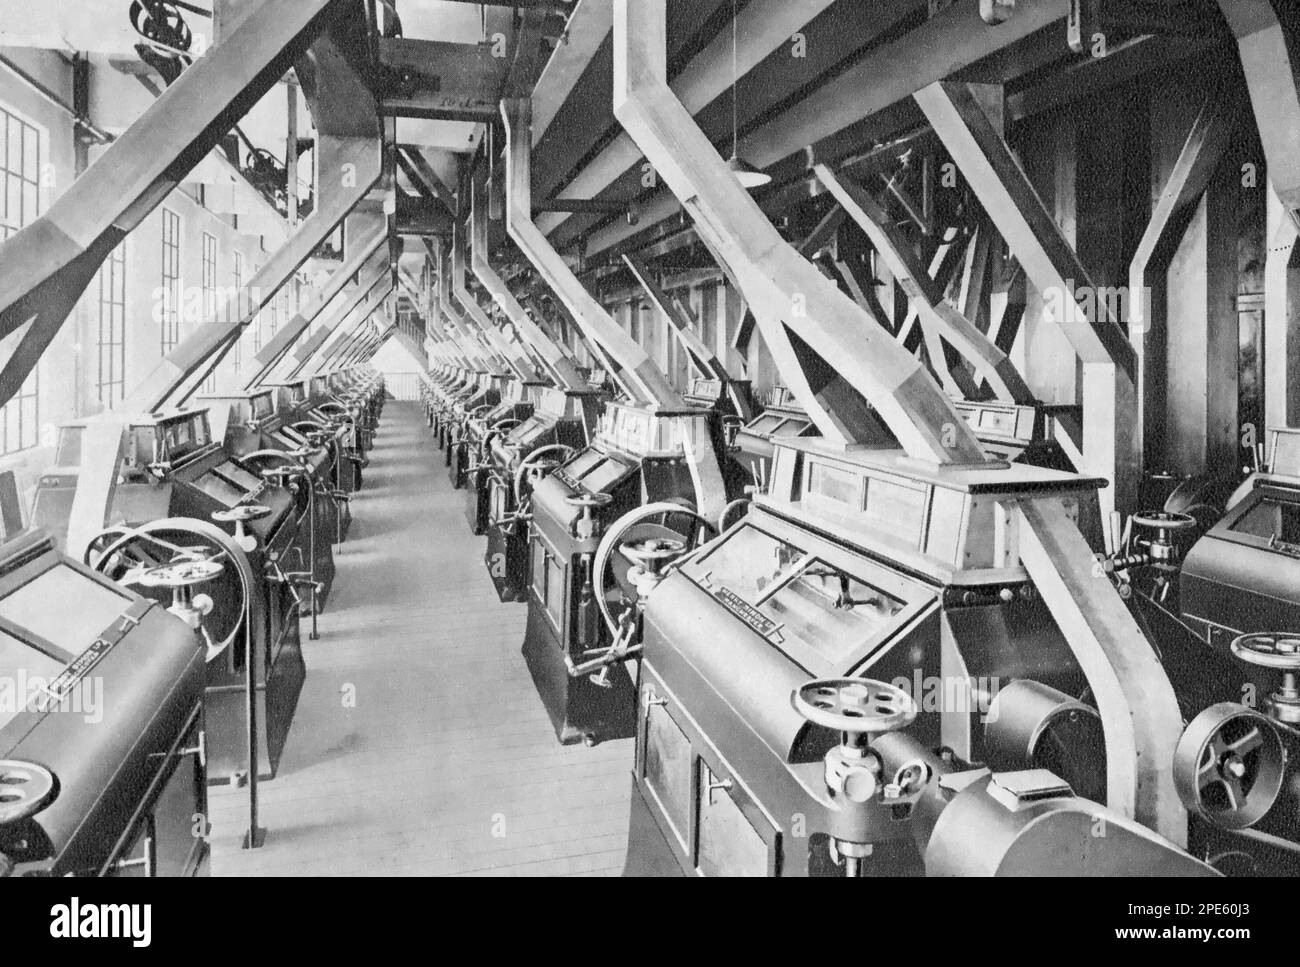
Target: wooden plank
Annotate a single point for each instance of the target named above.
(469, 787)
(855, 381)
(363, 154)
(558, 363)
(1200, 156)
(1108, 361)
(1270, 58)
(936, 314)
(512, 352)
(1139, 712)
(635, 371)
(290, 332)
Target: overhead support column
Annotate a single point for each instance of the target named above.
(289, 334)
(342, 326)
(560, 366)
(512, 352)
(363, 155)
(288, 365)
(704, 359)
(1150, 314)
(1141, 720)
(1270, 57)
(475, 348)
(48, 264)
(936, 313)
(954, 38)
(638, 375)
(1282, 319)
(1051, 265)
(856, 382)
(349, 328)
(762, 26)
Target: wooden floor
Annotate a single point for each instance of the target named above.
(420, 746)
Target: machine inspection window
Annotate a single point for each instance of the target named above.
(19, 659)
(1271, 519)
(828, 610)
(97, 608)
(749, 562)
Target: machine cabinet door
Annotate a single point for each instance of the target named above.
(666, 764)
(733, 836)
(139, 858)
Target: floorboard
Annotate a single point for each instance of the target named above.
(420, 747)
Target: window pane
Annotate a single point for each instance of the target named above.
(31, 154)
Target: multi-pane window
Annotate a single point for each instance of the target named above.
(110, 381)
(209, 276)
(171, 280)
(20, 203)
(20, 173)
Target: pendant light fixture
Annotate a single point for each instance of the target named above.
(744, 172)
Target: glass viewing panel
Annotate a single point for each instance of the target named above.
(1271, 520)
(604, 476)
(835, 484)
(220, 489)
(239, 476)
(583, 463)
(766, 424)
(749, 561)
(830, 611)
(21, 662)
(70, 628)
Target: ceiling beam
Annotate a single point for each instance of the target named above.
(955, 38)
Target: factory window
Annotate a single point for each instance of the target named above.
(20, 202)
(209, 277)
(110, 381)
(21, 415)
(20, 167)
(243, 303)
(170, 315)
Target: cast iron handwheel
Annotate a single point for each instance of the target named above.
(139, 550)
(1163, 520)
(618, 532)
(25, 789)
(535, 460)
(854, 705)
(1268, 649)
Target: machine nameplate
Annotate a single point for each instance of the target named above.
(747, 613)
(77, 669)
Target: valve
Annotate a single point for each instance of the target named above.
(857, 708)
(650, 557)
(241, 514)
(1159, 551)
(586, 527)
(1282, 652)
(181, 577)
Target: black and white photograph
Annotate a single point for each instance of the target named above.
(650, 439)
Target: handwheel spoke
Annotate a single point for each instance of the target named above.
(1249, 742)
(1236, 795)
